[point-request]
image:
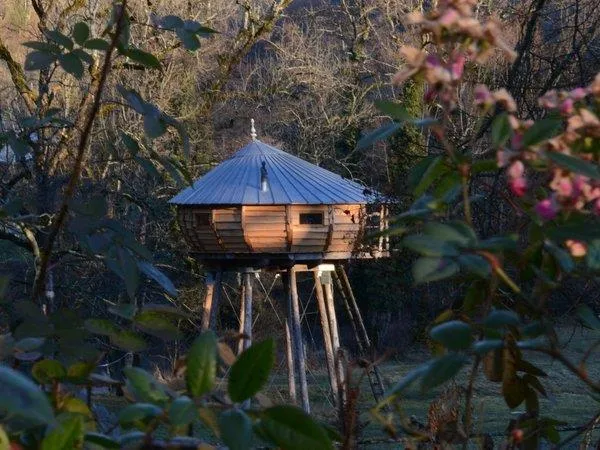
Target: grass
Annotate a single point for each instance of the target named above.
(568, 398)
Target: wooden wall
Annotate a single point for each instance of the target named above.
(272, 228)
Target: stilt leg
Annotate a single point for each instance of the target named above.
(247, 312)
(242, 291)
(297, 340)
(327, 340)
(208, 300)
(289, 344)
(335, 338)
(216, 300)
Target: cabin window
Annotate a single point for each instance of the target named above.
(202, 218)
(311, 218)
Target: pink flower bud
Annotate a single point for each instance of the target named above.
(576, 248)
(597, 207)
(566, 107)
(546, 209)
(483, 96)
(516, 169)
(578, 94)
(457, 67)
(518, 186)
(449, 17)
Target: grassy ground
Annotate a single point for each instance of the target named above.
(568, 398)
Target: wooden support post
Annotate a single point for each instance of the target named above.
(289, 344)
(247, 311)
(353, 305)
(297, 340)
(340, 288)
(335, 339)
(327, 340)
(208, 300)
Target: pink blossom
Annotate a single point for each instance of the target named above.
(576, 248)
(546, 209)
(566, 107)
(457, 67)
(518, 186)
(449, 17)
(578, 94)
(483, 96)
(516, 169)
(597, 207)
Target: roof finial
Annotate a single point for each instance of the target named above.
(252, 130)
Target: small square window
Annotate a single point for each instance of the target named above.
(312, 218)
(202, 218)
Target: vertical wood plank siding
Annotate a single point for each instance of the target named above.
(272, 228)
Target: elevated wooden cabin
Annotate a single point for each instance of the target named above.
(265, 201)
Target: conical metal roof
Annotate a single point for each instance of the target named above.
(290, 180)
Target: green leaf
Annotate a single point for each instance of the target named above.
(236, 429)
(498, 243)
(29, 344)
(379, 134)
(144, 386)
(48, 370)
(157, 324)
(96, 44)
(486, 165)
(575, 164)
(475, 264)
(39, 60)
(427, 269)
(455, 232)
(189, 40)
(182, 411)
(542, 130)
(142, 57)
(514, 390)
(442, 369)
(20, 397)
(101, 327)
(428, 246)
(251, 370)
(407, 380)
(202, 364)
(454, 334)
(501, 318)
(59, 38)
(501, 130)
(527, 367)
(152, 272)
(290, 428)
(81, 32)
(432, 172)
(129, 341)
(588, 317)
(71, 64)
(66, 436)
(561, 256)
(83, 55)
(80, 371)
(592, 257)
(101, 440)
(137, 414)
(395, 110)
(4, 440)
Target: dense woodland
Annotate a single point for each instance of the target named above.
(92, 149)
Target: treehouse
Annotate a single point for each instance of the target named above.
(264, 201)
(264, 209)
